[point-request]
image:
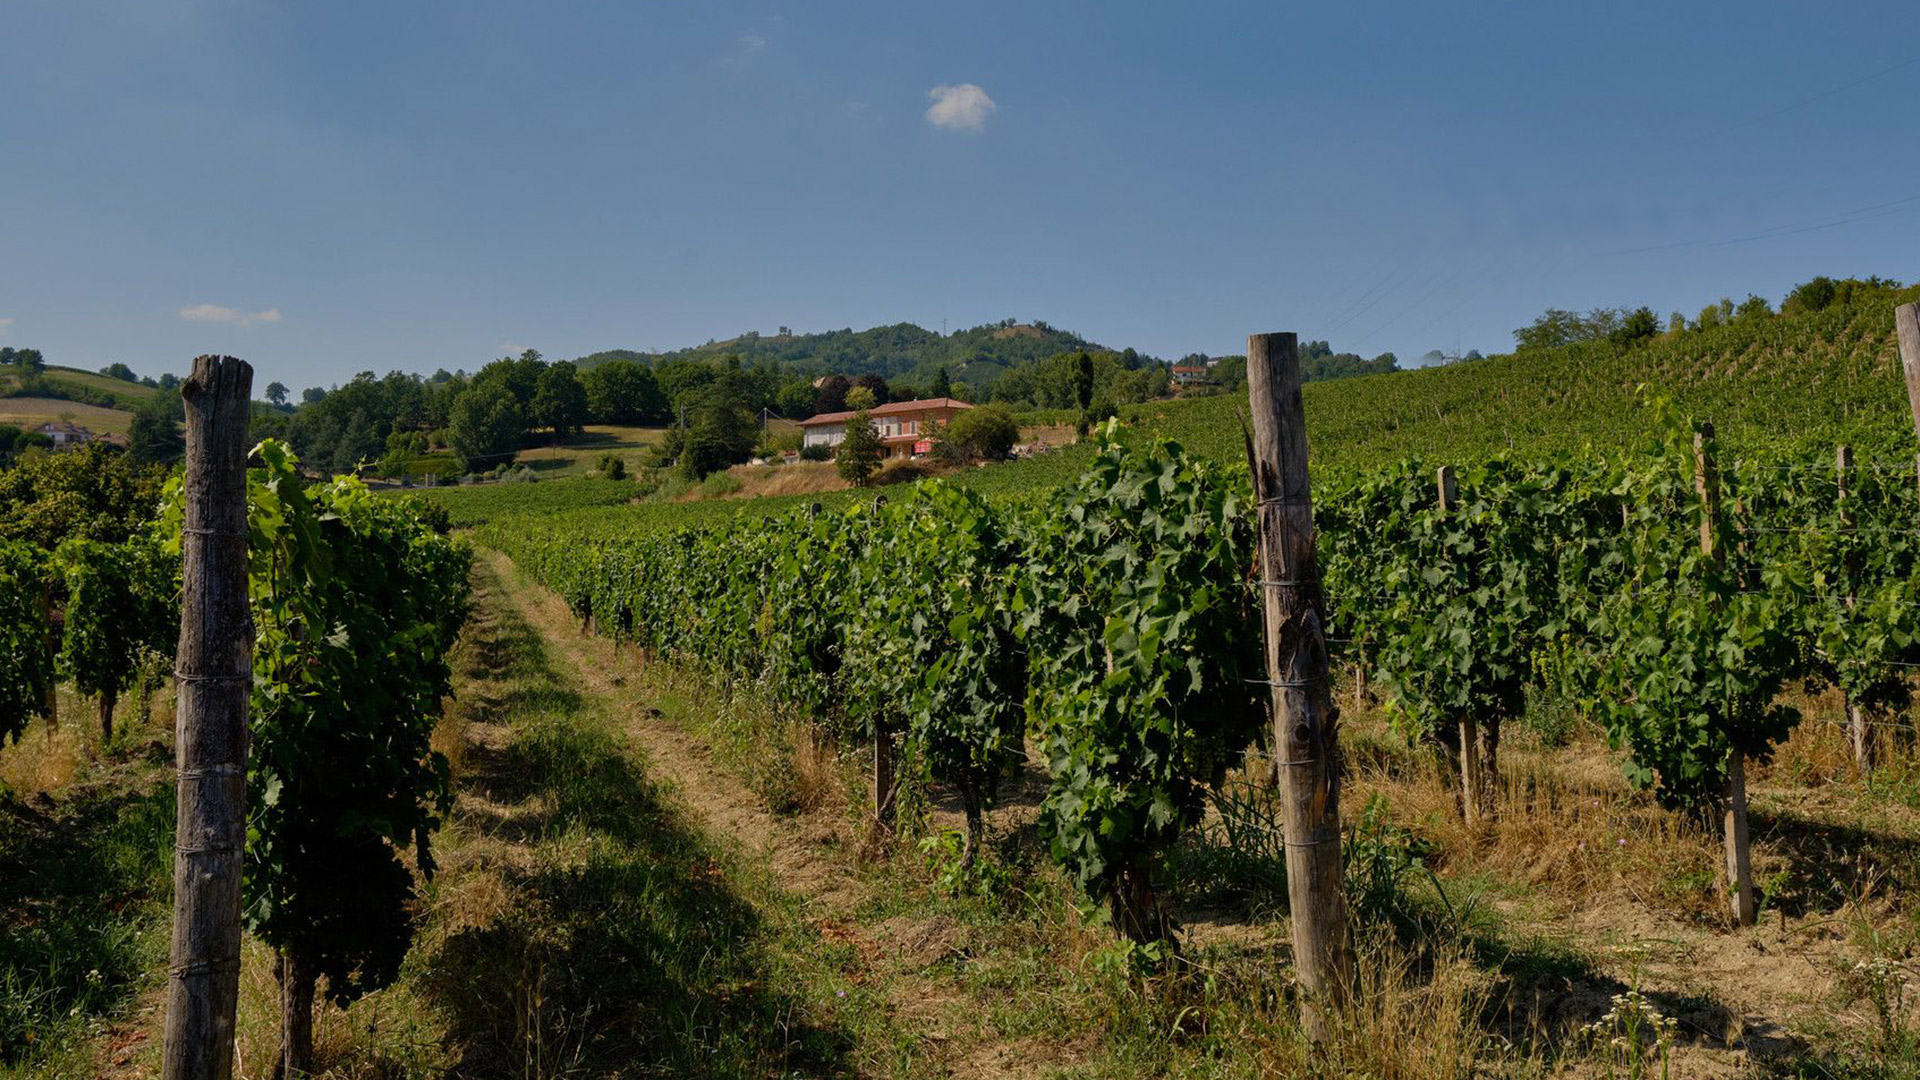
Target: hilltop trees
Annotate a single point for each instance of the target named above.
(27, 362)
(623, 392)
(1621, 326)
(1821, 293)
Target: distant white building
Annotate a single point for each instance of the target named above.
(65, 434)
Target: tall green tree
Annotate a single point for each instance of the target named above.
(559, 401)
(859, 453)
(986, 431)
(722, 431)
(1083, 386)
(623, 392)
(942, 387)
(485, 426)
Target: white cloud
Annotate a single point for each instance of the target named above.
(214, 313)
(959, 108)
(5, 325)
(752, 43)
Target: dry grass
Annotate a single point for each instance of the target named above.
(816, 769)
(1411, 1018)
(1565, 824)
(799, 478)
(46, 762)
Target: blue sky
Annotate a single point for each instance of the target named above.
(329, 188)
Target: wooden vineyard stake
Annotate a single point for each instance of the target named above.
(1739, 862)
(1306, 733)
(1859, 727)
(1472, 783)
(1906, 322)
(214, 667)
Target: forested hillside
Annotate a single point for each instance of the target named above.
(978, 356)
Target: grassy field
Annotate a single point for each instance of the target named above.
(32, 412)
(580, 454)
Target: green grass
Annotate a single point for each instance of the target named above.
(634, 945)
(84, 891)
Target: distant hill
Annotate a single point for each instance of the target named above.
(87, 387)
(99, 403)
(978, 355)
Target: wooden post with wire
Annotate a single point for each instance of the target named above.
(1305, 722)
(1734, 822)
(214, 669)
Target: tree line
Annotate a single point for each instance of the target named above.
(1626, 327)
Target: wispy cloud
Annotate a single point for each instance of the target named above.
(5, 325)
(752, 43)
(959, 108)
(214, 313)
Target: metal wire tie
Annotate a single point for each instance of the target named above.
(203, 967)
(214, 532)
(211, 770)
(1288, 682)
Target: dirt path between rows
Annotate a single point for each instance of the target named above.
(810, 856)
(798, 851)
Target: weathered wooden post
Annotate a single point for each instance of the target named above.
(884, 784)
(1906, 323)
(214, 666)
(1305, 722)
(1859, 727)
(1734, 825)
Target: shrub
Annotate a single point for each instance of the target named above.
(718, 484)
(613, 467)
(988, 431)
